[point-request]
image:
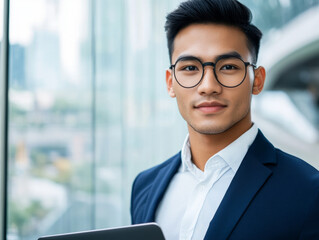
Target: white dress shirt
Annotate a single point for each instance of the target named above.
(193, 196)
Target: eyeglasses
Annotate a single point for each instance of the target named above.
(230, 72)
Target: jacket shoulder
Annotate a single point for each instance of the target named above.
(142, 185)
(146, 176)
(296, 165)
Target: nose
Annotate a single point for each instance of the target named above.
(209, 84)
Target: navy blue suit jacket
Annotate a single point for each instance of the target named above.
(273, 195)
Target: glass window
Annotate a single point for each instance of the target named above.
(50, 118)
(137, 124)
(88, 107)
(87, 111)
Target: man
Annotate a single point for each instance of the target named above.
(229, 181)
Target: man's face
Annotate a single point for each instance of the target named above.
(210, 108)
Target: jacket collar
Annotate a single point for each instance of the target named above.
(159, 186)
(250, 177)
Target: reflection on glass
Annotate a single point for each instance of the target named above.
(88, 110)
(83, 112)
(50, 151)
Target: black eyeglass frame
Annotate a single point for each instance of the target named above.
(213, 64)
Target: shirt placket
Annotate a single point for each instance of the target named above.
(196, 201)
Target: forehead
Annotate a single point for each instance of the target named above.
(207, 41)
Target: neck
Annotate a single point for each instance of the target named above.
(203, 146)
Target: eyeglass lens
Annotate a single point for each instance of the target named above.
(230, 72)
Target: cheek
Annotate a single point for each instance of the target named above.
(242, 100)
(183, 101)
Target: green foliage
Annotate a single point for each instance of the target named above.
(22, 216)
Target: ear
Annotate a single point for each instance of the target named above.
(169, 83)
(260, 76)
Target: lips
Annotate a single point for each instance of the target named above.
(210, 107)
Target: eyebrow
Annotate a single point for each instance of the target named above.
(218, 57)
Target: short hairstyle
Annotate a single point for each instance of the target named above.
(228, 12)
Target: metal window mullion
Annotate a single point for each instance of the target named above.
(93, 114)
(4, 120)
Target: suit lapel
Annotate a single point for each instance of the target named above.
(249, 179)
(159, 186)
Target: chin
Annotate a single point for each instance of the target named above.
(209, 130)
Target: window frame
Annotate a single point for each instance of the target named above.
(4, 120)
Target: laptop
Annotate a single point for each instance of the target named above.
(145, 231)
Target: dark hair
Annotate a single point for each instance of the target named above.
(228, 12)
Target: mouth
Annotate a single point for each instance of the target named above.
(210, 107)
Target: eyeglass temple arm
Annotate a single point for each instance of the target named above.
(248, 63)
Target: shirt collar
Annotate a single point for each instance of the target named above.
(233, 154)
(186, 156)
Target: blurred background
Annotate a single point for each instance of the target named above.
(88, 108)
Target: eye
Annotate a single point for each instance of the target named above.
(228, 67)
(190, 68)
